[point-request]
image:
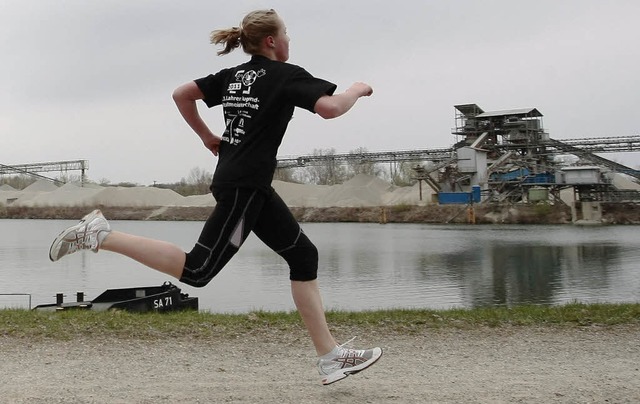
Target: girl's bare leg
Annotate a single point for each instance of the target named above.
(306, 296)
(159, 255)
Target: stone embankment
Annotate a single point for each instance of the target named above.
(432, 214)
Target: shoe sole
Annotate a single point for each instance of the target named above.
(342, 374)
(87, 218)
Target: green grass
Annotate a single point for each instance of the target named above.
(76, 323)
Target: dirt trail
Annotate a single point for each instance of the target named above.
(506, 365)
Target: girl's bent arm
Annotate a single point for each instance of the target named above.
(333, 106)
(185, 98)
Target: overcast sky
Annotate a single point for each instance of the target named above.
(83, 79)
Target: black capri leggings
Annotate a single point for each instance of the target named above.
(239, 211)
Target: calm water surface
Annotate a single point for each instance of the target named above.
(362, 266)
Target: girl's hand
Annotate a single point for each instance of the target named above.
(362, 89)
(212, 143)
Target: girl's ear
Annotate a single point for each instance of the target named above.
(270, 42)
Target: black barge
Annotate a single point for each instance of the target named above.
(165, 298)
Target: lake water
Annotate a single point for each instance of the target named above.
(362, 266)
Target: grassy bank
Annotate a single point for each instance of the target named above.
(73, 324)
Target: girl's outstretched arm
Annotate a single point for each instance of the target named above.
(333, 106)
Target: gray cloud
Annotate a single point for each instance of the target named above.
(92, 79)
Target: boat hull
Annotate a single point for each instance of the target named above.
(165, 298)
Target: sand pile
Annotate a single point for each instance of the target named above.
(139, 196)
(360, 191)
(198, 200)
(300, 195)
(41, 186)
(66, 195)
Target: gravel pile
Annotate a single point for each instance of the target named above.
(360, 191)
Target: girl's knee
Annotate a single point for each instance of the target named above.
(303, 261)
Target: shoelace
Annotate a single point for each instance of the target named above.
(335, 363)
(348, 342)
(348, 351)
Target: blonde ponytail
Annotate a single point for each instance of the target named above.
(229, 37)
(255, 26)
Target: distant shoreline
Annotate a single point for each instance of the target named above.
(625, 213)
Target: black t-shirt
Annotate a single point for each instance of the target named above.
(258, 99)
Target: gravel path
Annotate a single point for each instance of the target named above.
(505, 365)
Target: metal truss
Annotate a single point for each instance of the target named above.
(437, 155)
(32, 169)
(586, 145)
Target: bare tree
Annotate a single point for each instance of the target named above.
(330, 172)
(362, 165)
(199, 181)
(402, 174)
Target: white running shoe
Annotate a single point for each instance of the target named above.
(342, 362)
(88, 234)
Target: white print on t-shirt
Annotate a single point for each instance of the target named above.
(246, 79)
(235, 128)
(232, 101)
(238, 107)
